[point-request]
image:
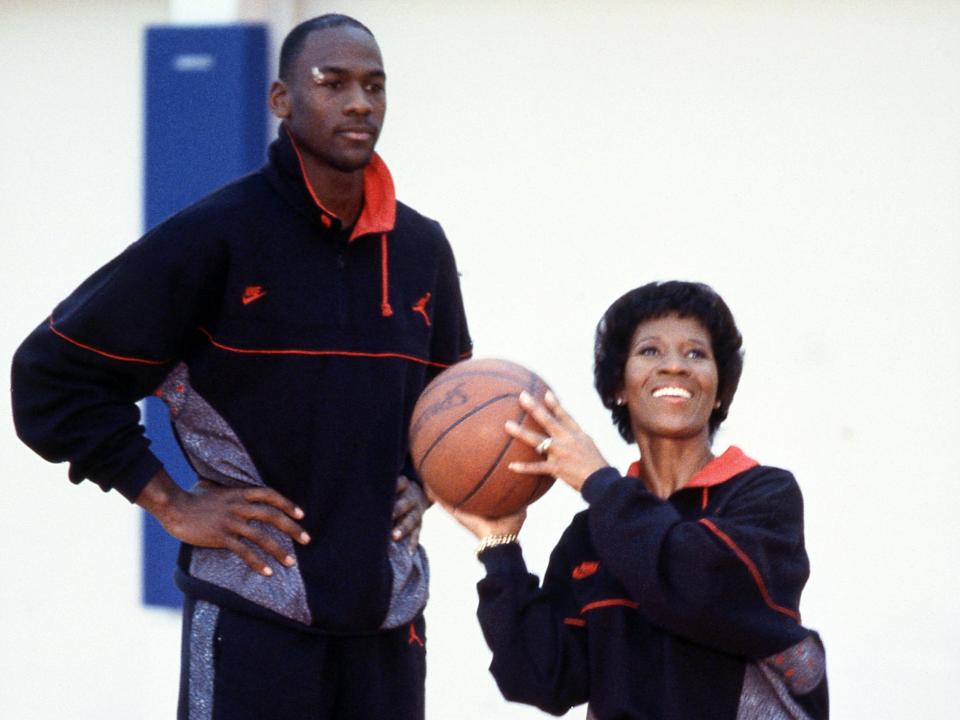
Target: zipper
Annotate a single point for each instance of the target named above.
(340, 287)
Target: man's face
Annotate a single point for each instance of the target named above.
(335, 99)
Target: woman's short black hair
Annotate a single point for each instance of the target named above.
(654, 300)
(298, 36)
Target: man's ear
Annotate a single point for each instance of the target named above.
(278, 99)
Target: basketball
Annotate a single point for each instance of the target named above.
(458, 443)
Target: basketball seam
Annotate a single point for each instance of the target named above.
(532, 388)
(493, 466)
(461, 419)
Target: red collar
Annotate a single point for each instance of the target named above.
(379, 213)
(723, 467)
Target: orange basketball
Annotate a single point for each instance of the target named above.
(458, 444)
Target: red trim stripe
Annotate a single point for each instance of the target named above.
(104, 353)
(596, 604)
(754, 572)
(320, 353)
(608, 603)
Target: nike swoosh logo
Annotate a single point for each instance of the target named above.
(252, 295)
(585, 570)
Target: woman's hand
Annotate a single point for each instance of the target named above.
(569, 454)
(481, 526)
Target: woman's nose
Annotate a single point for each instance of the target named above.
(674, 362)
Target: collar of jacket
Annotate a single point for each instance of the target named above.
(723, 467)
(286, 170)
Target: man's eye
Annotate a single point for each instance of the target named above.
(375, 88)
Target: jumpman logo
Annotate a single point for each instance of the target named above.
(413, 637)
(421, 307)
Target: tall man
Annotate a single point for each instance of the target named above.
(289, 321)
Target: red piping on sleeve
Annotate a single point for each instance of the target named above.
(751, 567)
(123, 358)
(385, 308)
(596, 604)
(608, 603)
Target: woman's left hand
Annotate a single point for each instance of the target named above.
(569, 454)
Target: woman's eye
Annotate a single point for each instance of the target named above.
(696, 354)
(647, 350)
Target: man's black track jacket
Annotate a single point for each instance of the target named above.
(313, 342)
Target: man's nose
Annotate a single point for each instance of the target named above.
(357, 101)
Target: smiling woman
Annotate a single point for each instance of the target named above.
(676, 593)
(669, 381)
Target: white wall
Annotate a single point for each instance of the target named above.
(74, 639)
(803, 158)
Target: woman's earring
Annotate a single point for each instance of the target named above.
(716, 405)
(621, 402)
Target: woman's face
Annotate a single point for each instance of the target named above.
(670, 379)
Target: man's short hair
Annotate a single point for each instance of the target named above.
(293, 42)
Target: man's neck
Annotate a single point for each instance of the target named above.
(340, 192)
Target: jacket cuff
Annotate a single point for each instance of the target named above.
(506, 559)
(136, 477)
(598, 483)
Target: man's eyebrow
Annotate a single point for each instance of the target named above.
(336, 70)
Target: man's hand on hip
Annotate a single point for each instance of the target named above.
(219, 517)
